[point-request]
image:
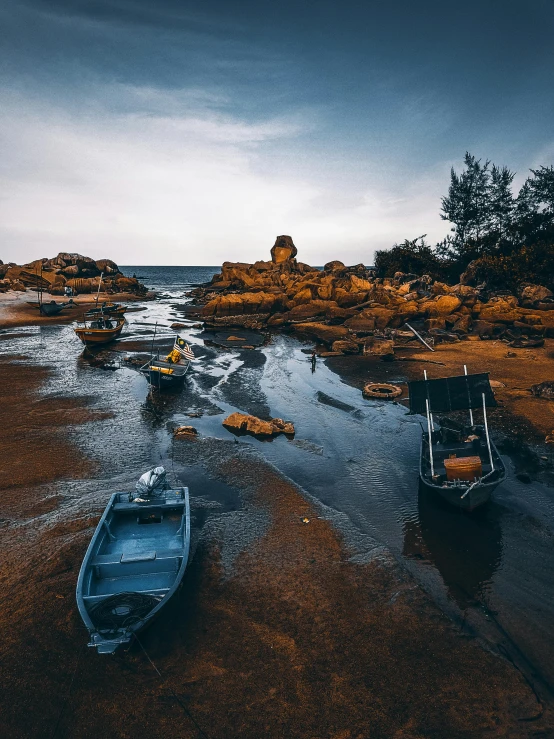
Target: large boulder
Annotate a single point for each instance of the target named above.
(283, 250)
(441, 306)
(322, 332)
(362, 324)
(107, 266)
(358, 284)
(347, 299)
(500, 311)
(309, 310)
(345, 346)
(380, 316)
(334, 266)
(532, 295)
(379, 347)
(246, 303)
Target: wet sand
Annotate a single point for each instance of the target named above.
(280, 629)
(15, 310)
(519, 414)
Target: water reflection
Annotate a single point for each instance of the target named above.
(465, 548)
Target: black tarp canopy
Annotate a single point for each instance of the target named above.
(451, 394)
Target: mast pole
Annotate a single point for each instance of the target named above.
(153, 338)
(430, 427)
(430, 433)
(99, 286)
(430, 414)
(468, 397)
(487, 432)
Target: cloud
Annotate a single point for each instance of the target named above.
(163, 186)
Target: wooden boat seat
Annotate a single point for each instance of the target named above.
(165, 504)
(153, 591)
(131, 558)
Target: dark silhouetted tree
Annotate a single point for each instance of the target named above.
(534, 212)
(467, 206)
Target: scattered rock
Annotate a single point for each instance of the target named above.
(182, 432)
(177, 326)
(256, 426)
(543, 390)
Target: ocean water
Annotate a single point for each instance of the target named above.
(174, 280)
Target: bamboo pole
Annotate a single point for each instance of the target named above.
(430, 433)
(487, 431)
(420, 337)
(469, 398)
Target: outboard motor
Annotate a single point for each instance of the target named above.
(152, 483)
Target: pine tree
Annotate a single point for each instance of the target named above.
(467, 207)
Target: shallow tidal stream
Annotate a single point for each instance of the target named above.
(491, 571)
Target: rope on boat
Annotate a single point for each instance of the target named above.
(201, 732)
(67, 697)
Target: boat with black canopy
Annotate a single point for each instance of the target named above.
(458, 461)
(169, 372)
(135, 561)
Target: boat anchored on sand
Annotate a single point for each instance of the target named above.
(135, 561)
(169, 372)
(459, 462)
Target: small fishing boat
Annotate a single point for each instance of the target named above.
(50, 309)
(100, 330)
(111, 309)
(169, 372)
(135, 561)
(458, 462)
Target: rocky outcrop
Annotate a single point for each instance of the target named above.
(78, 272)
(243, 422)
(342, 306)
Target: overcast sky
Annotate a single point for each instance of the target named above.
(188, 132)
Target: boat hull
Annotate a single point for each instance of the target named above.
(464, 495)
(133, 566)
(98, 335)
(454, 495)
(161, 380)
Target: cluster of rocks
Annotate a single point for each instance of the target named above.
(81, 274)
(350, 310)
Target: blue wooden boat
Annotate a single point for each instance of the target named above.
(133, 565)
